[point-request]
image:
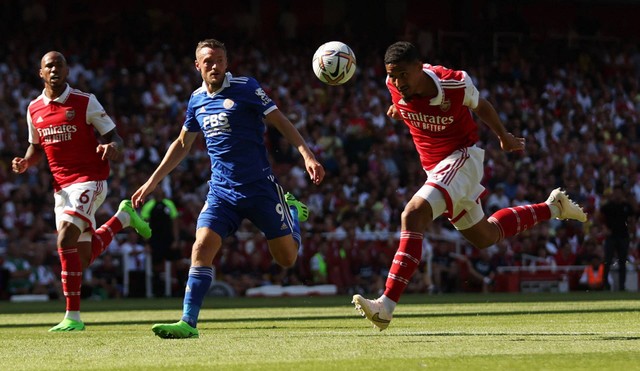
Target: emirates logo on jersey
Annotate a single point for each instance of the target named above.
(426, 122)
(70, 114)
(56, 134)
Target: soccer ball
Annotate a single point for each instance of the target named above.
(334, 63)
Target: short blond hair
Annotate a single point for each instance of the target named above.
(210, 43)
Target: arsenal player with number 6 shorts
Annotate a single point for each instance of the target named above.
(436, 103)
(62, 123)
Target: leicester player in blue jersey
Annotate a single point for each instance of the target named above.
(230, 111)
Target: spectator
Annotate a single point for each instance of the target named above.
(498, 199)
(20, 271)
(106, 278)
(444, 267)
(481, 271)
(565, 255)
(162, 215)
(45, 281)
(593, 276)
(616, 214)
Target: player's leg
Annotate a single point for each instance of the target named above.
(74, 221)
(621, 248)
(126, 216)
(609, 250)
(71, 276)
(217, 220)
(278, 216)
(204, 250)
(453, 183)
(299, 213)
(416, 217)
(511, 221)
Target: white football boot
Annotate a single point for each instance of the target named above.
(374, 310)
(568, 208)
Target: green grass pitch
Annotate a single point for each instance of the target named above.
(575, 331)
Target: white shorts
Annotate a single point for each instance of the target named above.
(453, 188)
(77, 204)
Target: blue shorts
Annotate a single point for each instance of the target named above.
(261, 202)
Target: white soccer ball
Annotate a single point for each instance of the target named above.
(334, 63)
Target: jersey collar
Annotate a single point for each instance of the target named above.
(61, 99)
(437, 100)
(225, 84)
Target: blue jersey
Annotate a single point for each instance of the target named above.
(231, 121)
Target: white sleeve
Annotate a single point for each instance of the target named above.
(34, 137)
(471, 94)
(97, 116)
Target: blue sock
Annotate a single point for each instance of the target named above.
(197, 286)
(296, 226)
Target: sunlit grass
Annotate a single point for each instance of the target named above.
(466, 332)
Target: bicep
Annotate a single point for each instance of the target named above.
(276, 118)
(187, 138)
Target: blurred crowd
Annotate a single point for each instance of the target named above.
(577, 105)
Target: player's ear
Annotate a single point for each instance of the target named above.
(196, 65)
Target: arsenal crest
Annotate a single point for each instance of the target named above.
(70, 114)
(446, 104)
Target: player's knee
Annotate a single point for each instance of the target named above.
(482, 235)
(416, 218)
(286, 261)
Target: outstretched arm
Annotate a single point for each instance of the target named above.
(488, 114)
(286, 128)
(176, 153)
(34, 154)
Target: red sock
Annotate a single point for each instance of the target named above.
(103, 237)
(513, 220)
(71, 276)
(404, 265)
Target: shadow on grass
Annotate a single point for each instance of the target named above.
(343, 317)
(133, 304)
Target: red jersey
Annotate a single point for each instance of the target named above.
(64, 127)
(443, 124)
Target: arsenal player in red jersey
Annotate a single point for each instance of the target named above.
(436, 103)
(62, 123)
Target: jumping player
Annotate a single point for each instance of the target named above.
(435, 103)
(62, 123)
(229, 111)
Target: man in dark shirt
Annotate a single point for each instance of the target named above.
(161, 213)
(615, 215)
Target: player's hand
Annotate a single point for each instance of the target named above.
(510, 143)
(19, 165)
(315, 170)
(137, 199)
(394, 113)
(110, 151)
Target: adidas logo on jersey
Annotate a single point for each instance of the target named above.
(39, 120)
(202, 110)
(283, 227)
